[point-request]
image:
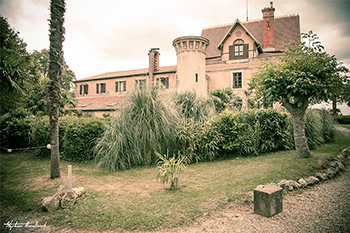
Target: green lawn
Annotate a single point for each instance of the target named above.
(133, 199)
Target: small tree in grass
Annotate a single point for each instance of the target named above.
(169, 169)
(305, 74)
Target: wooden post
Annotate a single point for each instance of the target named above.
(69, 177)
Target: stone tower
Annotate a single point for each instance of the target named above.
(190, 52)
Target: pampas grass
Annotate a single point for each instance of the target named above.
(146, 124)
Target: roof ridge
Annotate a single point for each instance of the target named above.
(249, 21)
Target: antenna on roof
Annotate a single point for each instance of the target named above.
(247, 9)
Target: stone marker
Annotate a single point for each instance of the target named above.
(268, 201)
(69, 177)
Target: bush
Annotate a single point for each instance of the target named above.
(274, 128)
(313, 129)
(225, 99)
(80, 138)
(16, 129)
(199, 140)
(41, 136)
(41, 133)
(343, 119)
(237, 138)
(319, 128)
(328, 130)
(145, 125)
(189, 105)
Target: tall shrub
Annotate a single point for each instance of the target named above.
(15, 129)
(313, 129)
(80, 138)
(238, 138)
(328, 122)
(199, 140)
(274, 128)
(146, 125)
(190, 105)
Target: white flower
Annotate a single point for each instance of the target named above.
(9, 150)
(48, 146)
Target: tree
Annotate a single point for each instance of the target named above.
(36, 99)
(17, 71)
(57, 9)
(305, 74)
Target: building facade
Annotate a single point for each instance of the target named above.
(223, 56)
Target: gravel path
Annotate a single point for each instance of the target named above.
(324, 207)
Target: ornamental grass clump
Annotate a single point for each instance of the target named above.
(145, 124)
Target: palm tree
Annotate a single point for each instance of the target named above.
(57, 9)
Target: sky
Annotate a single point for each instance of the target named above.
(114, 35)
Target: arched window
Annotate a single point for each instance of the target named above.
(238, 50)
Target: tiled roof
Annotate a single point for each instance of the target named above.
(127, 73)
(286, 29)
(97, 103)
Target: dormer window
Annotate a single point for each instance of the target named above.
(238, 50)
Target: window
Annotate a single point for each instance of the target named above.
(100, 88)
(103, 87)
(237, 80)
(162, 83)
(84, 88)
(141, 83)
(238, 50)
(120, 86)
(196, 78)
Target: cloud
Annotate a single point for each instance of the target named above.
(109, 35)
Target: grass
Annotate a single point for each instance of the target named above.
(133, 200)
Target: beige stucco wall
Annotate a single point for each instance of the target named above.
(220, 74)
(190, 64)
(130, 84)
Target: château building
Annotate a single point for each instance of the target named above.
(223, 56)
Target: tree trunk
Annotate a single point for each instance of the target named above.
(300, 140)
(57, 9)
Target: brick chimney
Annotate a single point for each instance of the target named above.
(153, 65)
(269, 27)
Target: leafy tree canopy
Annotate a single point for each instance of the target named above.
(305, 74)
(17, 71)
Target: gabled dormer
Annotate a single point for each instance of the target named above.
(238, 44)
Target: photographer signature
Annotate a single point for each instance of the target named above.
(11, 224)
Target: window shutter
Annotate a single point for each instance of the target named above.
(81, 89)
(245, 50)
(116, 86)
(97, 87)
(231, 52)
(124, 83)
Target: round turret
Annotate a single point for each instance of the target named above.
(191, 51)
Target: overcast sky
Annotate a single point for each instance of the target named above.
(112, 35)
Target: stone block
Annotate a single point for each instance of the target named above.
(268, 201)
